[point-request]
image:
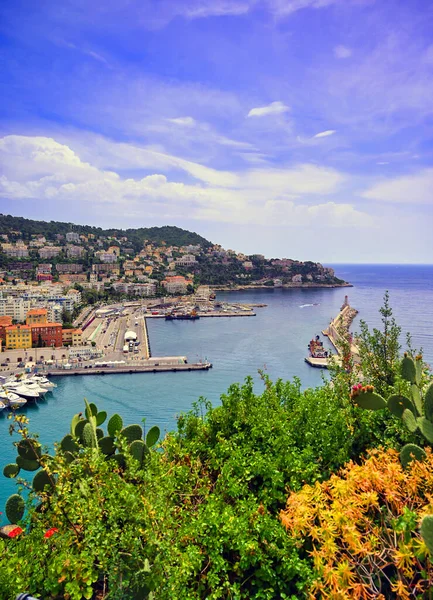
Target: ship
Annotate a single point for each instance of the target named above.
(192, 316)
(316, 348)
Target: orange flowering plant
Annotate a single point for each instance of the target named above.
(361, 529)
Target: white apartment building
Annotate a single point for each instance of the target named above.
(188, 260)
(106, 257)
(16, 308)
(49, 251)
(18, 251)
(74, 251)
(55, 313)
(73, 236)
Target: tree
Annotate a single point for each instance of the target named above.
(379, 349)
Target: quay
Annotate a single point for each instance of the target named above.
(338, 334)
(129, 369)
(204, 315)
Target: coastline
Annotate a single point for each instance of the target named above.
(312, 285)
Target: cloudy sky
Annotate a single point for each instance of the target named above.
(298, 128)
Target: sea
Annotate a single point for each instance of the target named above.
(274, 341)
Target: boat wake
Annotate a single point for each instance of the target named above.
(305, 305)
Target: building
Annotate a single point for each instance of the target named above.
(186, 261)
(47, 334)
(16, 308)
(72, 277)
(106, 257)
(44, 268)
(4, 322)
(17, 251)
(176, 284)
(18, 337)
(36, 316)
(114, 250)
(297, 278)
(49, 251)
(73, 236)
(55, 312)
(72, 337)
(74, 251)
(106, 268)
(69, 268)
(44, 277)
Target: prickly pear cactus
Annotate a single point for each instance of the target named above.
(426, 428)
(106, 445)
(139, 450)
(365, 397)
(100, 418)
(27, 465)
(398, 404)
(152, 436)
(89, 436)
(428, 403)
(79, 427)
(409, 453)
(408, 369)
(427, 532)
(29, 449)
(11, 470)
(409, 420)
(115, 424)
(131, 433)
(15, 508)
(40, 480)
(68, 444)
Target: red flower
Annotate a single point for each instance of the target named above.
(50, 532)
(14, 532)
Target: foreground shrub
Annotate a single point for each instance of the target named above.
(361, 529)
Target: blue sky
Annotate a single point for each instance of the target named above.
(298, 128)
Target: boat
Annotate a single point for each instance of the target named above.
(11, 399)
(22, 390)
(192, 316)
(2, 405)
(43, 382)
(316, 348)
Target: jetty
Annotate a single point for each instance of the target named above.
(338, 334)
(151, 367)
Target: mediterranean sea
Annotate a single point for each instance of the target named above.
(275, 341)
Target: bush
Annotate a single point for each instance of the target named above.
(361, 529)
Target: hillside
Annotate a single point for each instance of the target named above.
(170, 234)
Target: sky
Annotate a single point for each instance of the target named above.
(289, 128)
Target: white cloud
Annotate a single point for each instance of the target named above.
(42, 168)
(326, 133)
(275, 108)
(283, 8)
(214, 8)
(408, 189)
(342, 52)
(185, 121)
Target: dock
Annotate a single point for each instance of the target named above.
(205, 315)
(129, 369)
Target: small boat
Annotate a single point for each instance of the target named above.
(11, 399)
(316, 348)
(192, 316)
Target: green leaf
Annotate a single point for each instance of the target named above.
(27, 465)
(416, 397)
(428, 402)
(397, 404)
(100, 417)
(115, 424)
(370, 401)
(15, 508)
(411, 452)
(426, 531)
(408, 370)
(40, 480)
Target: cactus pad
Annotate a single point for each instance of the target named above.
(370, 401)
(152, 436)
(69, 457)
(408, 370)
(411, 452)
(115, 424)
(397, 405)
(416, 399)
(120, 459)
(409, 420)
(99, 433)
(100, 417)
(426, 428)
(75, 420)
(131, 433)
(29, 449)
(27, 465)
(426, 531)
(11, 470)
(90, 410)
(107, 445)
(15, 508)
(40, 480)
(139, 450)
(79, 427)
(428, 402)
(88, 436)
(68, 444)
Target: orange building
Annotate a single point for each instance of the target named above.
(4, 322)
(47, 334)
(36, 316)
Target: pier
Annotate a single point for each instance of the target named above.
(338, 334)
(129, 369)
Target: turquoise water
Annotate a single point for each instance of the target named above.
(275, 340)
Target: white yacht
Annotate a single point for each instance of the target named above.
(11, 399)
(33, 385)
(42, 381)
(22, 390)
(2, 405)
